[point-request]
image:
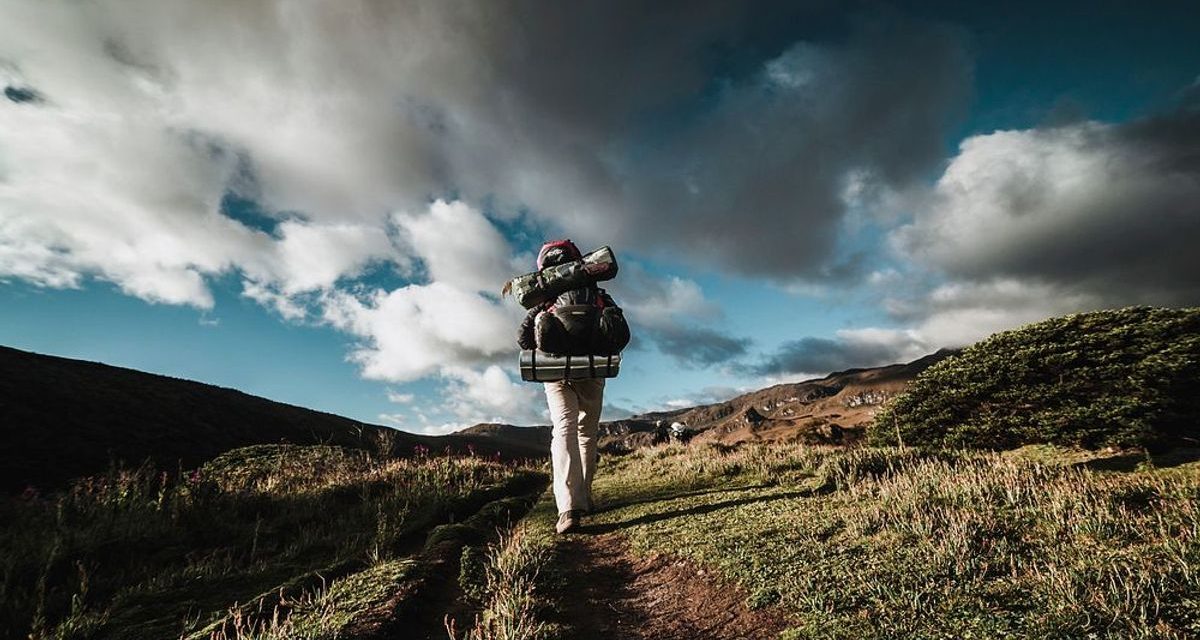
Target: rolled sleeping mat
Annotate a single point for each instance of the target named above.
(539, 366)
(535, 288)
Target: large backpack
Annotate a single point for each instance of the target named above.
(581, 322)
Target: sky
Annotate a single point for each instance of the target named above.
(319, 202)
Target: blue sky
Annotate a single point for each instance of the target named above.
(319, 204)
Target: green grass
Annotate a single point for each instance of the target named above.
(887, 543)
(506, 582)
(265, 541)
(1124, 378)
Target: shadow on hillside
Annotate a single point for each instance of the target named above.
(692, 511)
(1131, 461)
(1124, 462)
(1175, 457)
(675, 496)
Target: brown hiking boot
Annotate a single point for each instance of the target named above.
(568, 521)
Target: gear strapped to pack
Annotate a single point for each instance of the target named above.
(550, 281)
(543, 367)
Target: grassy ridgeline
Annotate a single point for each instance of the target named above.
(1125, 378)
(884, 543)
(144, 554)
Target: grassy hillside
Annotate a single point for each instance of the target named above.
(884, 543)
(269, 541)
(1128, 377)
(61, 419)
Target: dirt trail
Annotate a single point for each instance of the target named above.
(622, 597)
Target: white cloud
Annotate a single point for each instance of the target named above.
(958, 314)
(315, 256)
(289, 307)
(491, 395)
(418, 330)
(460, 247)
(1109, 211)
(1029, 224)
(659, 302)
(399, 398)
(87, 193)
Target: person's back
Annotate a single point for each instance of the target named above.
(573, 323)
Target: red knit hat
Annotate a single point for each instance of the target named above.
(557, 252)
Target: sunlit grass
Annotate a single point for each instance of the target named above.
(884, 543)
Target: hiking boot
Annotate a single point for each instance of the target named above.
(568, 521)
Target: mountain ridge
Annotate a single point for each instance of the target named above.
(840, 405)
(62, 418)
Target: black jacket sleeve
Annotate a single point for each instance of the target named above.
(525, 338)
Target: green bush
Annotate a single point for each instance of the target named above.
(1126, 377)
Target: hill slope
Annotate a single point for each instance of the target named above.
(1124, 377)
(62, 418)
(833, 409)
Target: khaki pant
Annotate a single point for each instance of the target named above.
(575, 410)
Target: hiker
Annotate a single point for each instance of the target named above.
(575, 404)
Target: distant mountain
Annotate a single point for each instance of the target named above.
(63, 418)
(834, 409)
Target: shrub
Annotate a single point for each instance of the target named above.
(1127, 377)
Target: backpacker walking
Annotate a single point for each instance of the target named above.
(584, 322)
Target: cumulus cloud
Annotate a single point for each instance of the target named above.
(139, 116)
(673, 314)
(852, 348)
(459, 246)
(656, 302)
(489, 395)
(419, 330)
(1108, 211)
(1027, 224)
(308, 257)
(400, 398)
(446, 326)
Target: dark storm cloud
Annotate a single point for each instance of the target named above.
(823, 355)
(699, 346)
(1110, 211)
(619, 122)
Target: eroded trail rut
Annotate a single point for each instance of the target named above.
(622, 597)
